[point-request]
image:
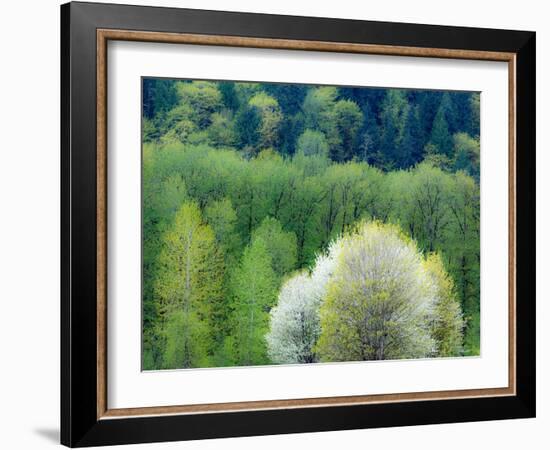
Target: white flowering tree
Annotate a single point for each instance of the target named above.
(372, 296)
(295, 325)
(380, 299)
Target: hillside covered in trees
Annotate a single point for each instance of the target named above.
(287, 223)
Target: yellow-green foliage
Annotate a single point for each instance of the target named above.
(382, 298)
(271, 115)
(202, 98)
(188, 288)
(447, 320)
(268, 178)
(254, 288)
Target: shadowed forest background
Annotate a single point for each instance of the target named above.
(288, 223)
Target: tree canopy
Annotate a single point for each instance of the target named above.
(290, 224)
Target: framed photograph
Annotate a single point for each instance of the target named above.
(276, 224)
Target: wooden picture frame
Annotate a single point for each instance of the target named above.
(86, 418)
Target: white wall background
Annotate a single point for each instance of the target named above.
(29, 224)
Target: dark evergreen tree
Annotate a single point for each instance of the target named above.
(412, 139)
(459, 119)
(247, 123)
(393, 116)
(428, 104)
(229, 95)
(289, 96)
(441, 137)
(291, 128)
(158, 96)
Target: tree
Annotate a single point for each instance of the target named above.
(369, 141)
(311, 143)
(466, 154)
(221, 216)
(289, 96)
(410, 149)
(203, 98)
(463, 250)
(301, 215)
(290, 129)
(348, 120)
(428, 102)
(254, 286)
(317, 104)
(188, 287)
(271, 175)
(379, 299)
(221, 131)
(281, 245)
(229, 95)
(158, 96)
(393, 117)
(428, 197)
(172, 194)
(319, 114)
(447, 322)
(295, 325)
(441, 137)
(271, 116)
(187, 338)
(177, 123)
(247, 125)
(474, 115)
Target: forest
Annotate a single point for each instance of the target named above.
(292, 223)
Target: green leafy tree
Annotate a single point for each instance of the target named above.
(188, 288)
(254, 286)
(466, 154)
(221, 132)
(178, 123)
(463, 248)
(318, 109)
(186, 336)
(447, 322)
(271, 118)
(348, 120)
(317, 105)
(281, 245)
(222, 217)
(312, 142)
(203, 98)
(428, 204)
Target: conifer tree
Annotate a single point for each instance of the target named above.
(441, 137)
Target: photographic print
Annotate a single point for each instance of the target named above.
(299, 224)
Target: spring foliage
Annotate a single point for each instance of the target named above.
(295, 322)
(289, 223)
